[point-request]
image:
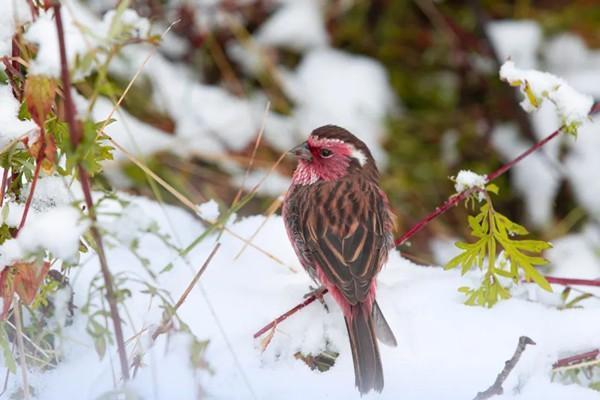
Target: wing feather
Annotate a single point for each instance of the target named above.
(345, 234)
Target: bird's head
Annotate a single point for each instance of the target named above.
(331, 153)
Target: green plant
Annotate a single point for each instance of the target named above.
(498, 253)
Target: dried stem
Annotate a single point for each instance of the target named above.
(75, 136)
(509, 365)
(21, 346)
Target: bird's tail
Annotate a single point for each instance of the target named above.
(368, 371)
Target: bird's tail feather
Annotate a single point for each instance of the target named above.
(368, 371)
(382, 329)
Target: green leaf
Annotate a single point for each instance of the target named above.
(538, 278)
(492, 188)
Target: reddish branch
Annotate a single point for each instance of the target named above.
(285, 316)
(571, 281)
(36, 176)
(4, 185)
(576, 359)
(75, 136)
(448, 204)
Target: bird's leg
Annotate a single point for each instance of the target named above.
(318, 293)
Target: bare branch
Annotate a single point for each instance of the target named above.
(75, 136)
(509, 365)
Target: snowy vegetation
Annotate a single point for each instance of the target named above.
(143, 166)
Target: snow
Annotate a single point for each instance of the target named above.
(333, 87)
(209, 210)
(469, 180)
(536, 178)
(14, 13)
(79, 41)
(572, 107)
(582, 165)
(11, 127)
(41, 233)
(516, 40)
(440, 339)
(297, 25)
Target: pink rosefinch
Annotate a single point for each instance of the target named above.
(340, 226)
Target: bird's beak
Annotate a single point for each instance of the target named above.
(302, 152)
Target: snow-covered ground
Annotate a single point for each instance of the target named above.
(445, 349)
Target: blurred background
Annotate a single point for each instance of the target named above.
(416, 80)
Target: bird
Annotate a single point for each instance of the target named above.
(340, 225)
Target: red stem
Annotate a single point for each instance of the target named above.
(75, 136)
(451, 202)
(36, 175)
(571, 281)
(576, 359)
(285, 316)
(4, 185)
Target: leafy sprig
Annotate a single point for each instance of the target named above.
(498, 252)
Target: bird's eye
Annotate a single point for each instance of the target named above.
(325, 153)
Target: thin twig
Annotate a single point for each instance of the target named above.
(36, 176)
(166, 322)
(274, 206)
(21, 346)
(573, 281)
(509, 365)
(285, 316)
(186, 292)
(75, 136)
(454, 200)
(4, 182)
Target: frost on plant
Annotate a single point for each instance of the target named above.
(572, 107)
(496, 252)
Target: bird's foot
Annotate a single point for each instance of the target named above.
(318, 293)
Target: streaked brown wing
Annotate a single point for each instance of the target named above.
(345, 234)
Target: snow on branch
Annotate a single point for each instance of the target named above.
(573, 107)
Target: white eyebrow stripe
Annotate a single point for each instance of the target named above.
(358, 155)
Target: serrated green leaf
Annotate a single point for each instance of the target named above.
(533, 274)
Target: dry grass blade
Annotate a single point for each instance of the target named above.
(274, 206)
(188, 289)
(188, 203)
(253, 156)
(134, 78)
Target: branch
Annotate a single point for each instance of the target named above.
(576, 359)
(75, 136)
(285, 316)
(509, 365)
(448, 204)
(572, 281)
